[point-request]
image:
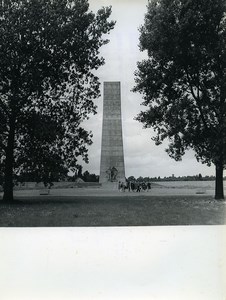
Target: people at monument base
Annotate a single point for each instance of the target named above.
(134, 186)
(138, 187)
(128, 185)
(144, 186)
(149, 185)
(121, 186)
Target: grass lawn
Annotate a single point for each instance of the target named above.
(143, 210)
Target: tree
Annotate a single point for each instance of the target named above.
(183, 80)
(131, 178)
(140, 179)
(200, 176)
(87, 177)
(48, 52)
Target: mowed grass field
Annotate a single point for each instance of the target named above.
(125, 210)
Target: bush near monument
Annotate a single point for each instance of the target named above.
(48, 51)
(183, 81)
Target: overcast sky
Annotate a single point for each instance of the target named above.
(142, 156)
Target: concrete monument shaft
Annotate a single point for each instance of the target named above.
(112, 168)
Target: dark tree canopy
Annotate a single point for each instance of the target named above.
(183, 81)
(48, 52)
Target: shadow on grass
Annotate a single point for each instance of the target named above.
(128, 210)
(60, 200)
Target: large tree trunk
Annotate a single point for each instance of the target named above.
(219, 184)
(8, 175)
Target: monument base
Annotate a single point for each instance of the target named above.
(109, 185)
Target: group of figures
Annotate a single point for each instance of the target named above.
(134, 186)
(112, 174)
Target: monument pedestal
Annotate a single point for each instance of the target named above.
(113, 186)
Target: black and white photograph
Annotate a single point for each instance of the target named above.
(112, 149)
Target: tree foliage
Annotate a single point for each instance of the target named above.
(183, 81)
(87, 177)
(48, 52)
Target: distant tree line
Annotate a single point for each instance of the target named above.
(86, 177)
(173, 178)
(56, 177)
(92, 177)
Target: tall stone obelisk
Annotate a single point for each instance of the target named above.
(112, 168)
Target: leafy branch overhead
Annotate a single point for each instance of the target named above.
(183, 81)
(49, 51)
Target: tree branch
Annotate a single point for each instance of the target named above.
(2, 146)
(196, 98)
